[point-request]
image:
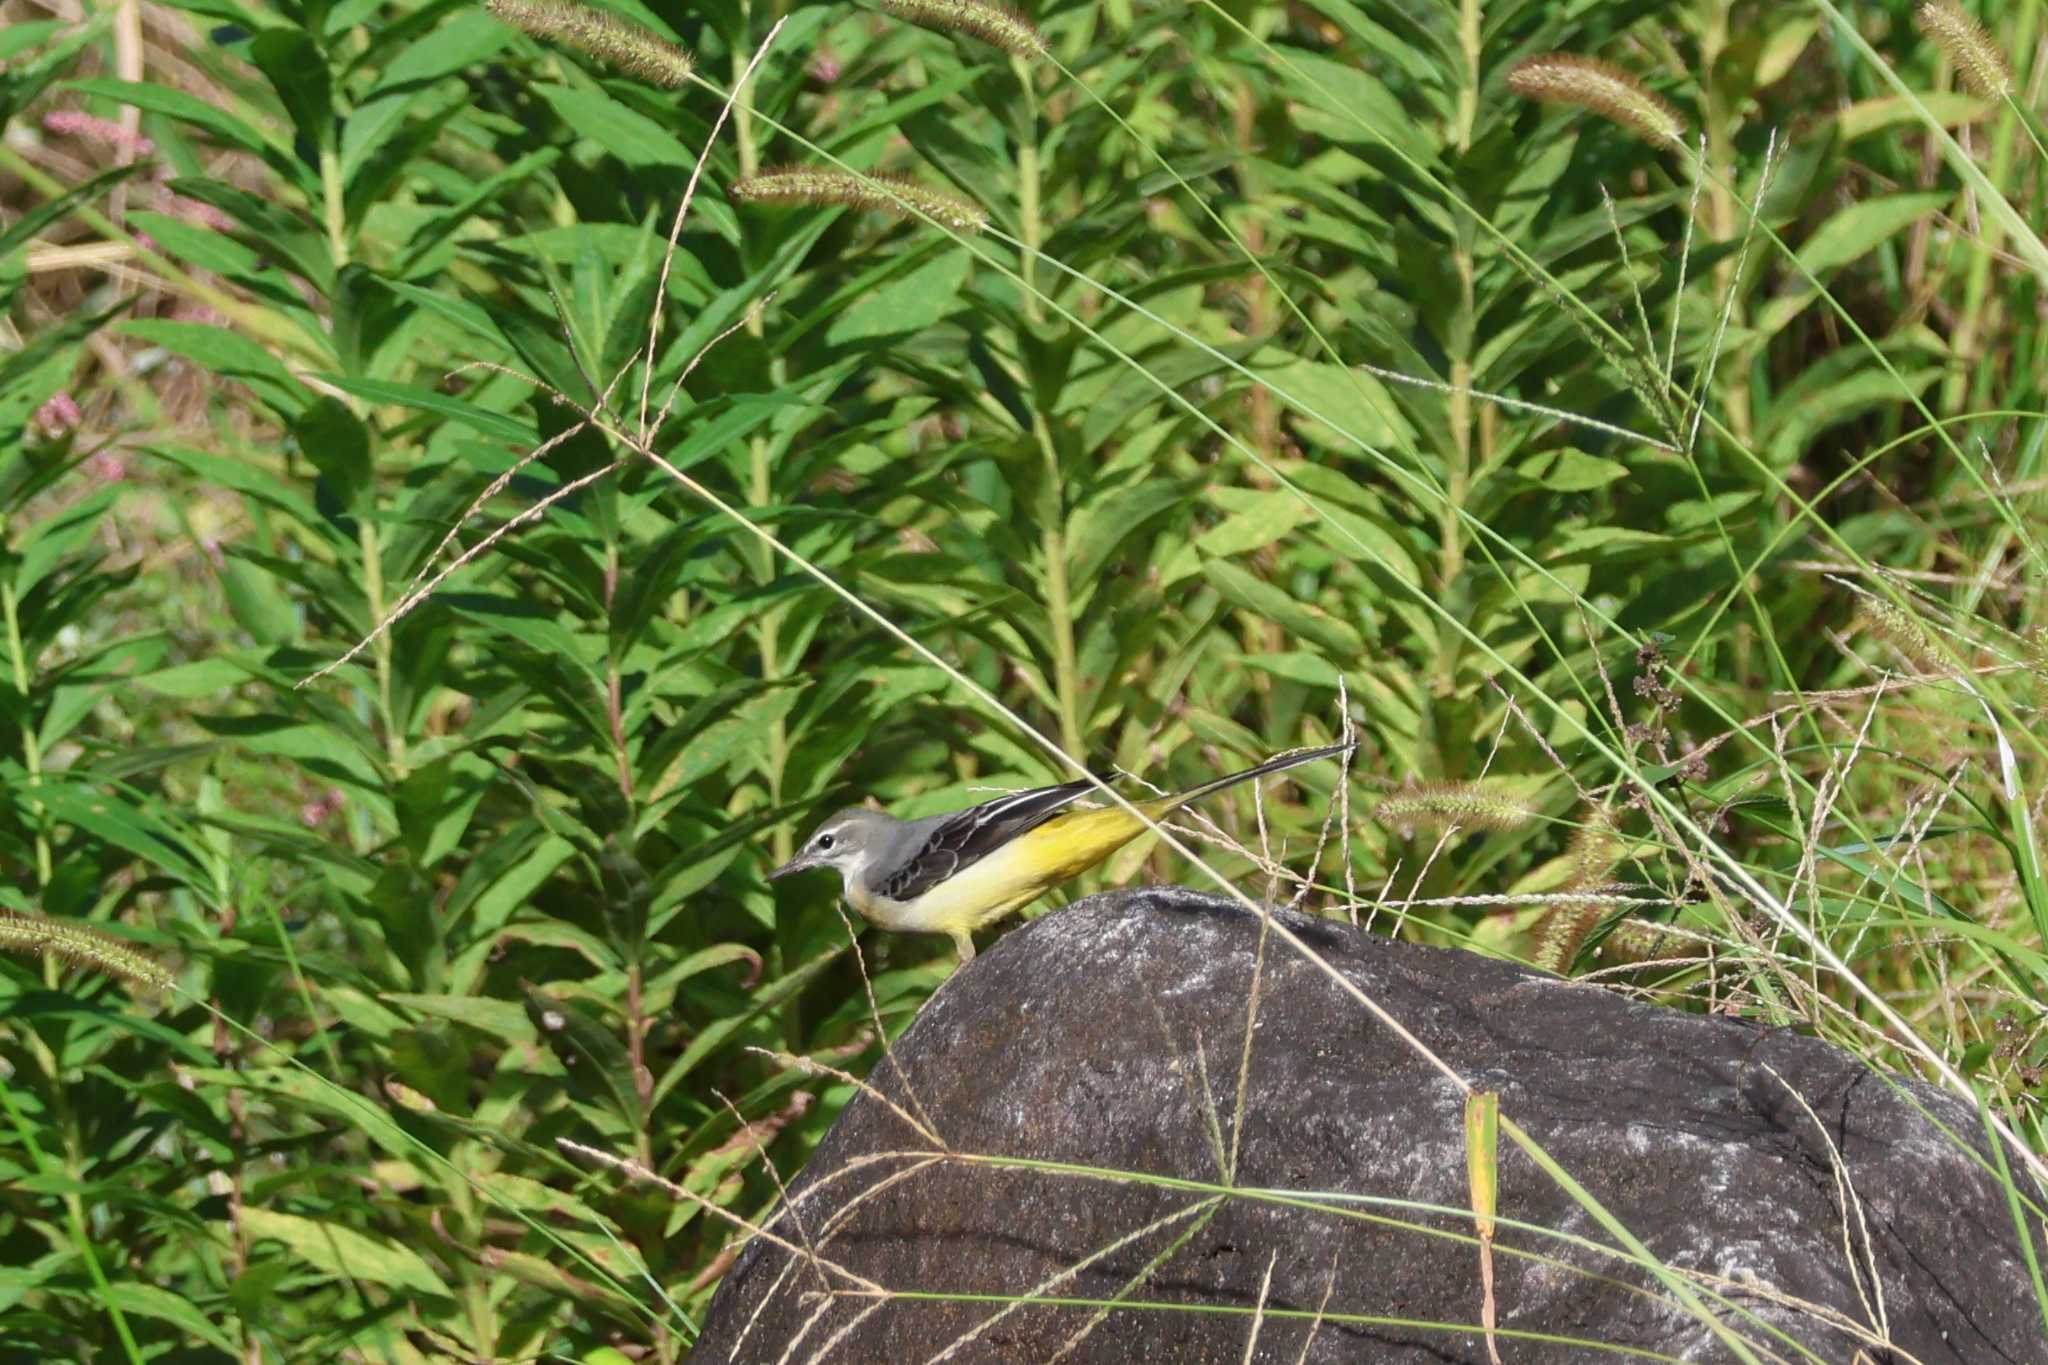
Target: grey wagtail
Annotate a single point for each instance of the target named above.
(954, 873)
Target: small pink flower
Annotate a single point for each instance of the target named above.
(59, 415)
(107, 467)
(322, 807)
(824, 68)
(192, 210)
(204, 314)
(74, 123)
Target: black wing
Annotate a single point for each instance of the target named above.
(965, 838)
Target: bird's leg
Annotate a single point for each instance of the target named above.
(965, 943)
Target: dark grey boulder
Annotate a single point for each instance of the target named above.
(1085, 1038)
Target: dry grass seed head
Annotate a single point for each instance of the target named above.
(40, 936)
(893, 194)
(1901, 630)
(1967, 46)
(994, 24)
(1439, 805)
(1594, 849)
(635, 50)
(1567, 78)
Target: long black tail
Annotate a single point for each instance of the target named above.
(1271, 765)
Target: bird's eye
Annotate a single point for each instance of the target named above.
(825, 841)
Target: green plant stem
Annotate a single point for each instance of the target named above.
(335, 207)
(1459, 461)
(1720, 156)
(1059, 602)
(614, 684)
(1052, 540)
(761, 484)
(372, 551)
(31, 746)
(1028, 188)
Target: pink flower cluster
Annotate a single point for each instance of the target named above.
(192, 210)
(73, 123)
(323, 807)
(60, 414)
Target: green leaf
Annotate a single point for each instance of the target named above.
(1345, 103)
(229, 355)
(306, 1089)
(1099, 526)
(343, 1251)
(1848, 236)
(501, 1019)
(426, 400)
(716, 1034)
(169, 100)
(1258, 518)
(146, 1300)
(244, 477)
(1571, 471)
(907, 305)
(28, 224)
(1311, 669)
(1301, 619)
(123, 825)
(1340, 407)
(257, 603)
(297, 69)
(631, 137)
(51, 540)
(203, 678)
(339, 447)
(590, 1052)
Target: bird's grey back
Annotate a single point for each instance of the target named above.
(893, 842)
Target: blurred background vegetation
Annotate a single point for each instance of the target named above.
(1664, 518)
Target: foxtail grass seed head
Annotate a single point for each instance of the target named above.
(1473, 805)
(1556, 937)
(993, 24)
(619, 42)
(41, 936)
(1594, 850)
(879, 193)
(1566, 78)
(1903, 632)
(1967, 46)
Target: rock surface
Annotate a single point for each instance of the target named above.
(1090, 1037)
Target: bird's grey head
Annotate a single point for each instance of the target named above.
(846, 841)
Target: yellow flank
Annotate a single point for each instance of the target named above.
(1016, 874)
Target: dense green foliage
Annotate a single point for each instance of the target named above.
(1693, 506)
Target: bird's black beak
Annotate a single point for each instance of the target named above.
(799, 863)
